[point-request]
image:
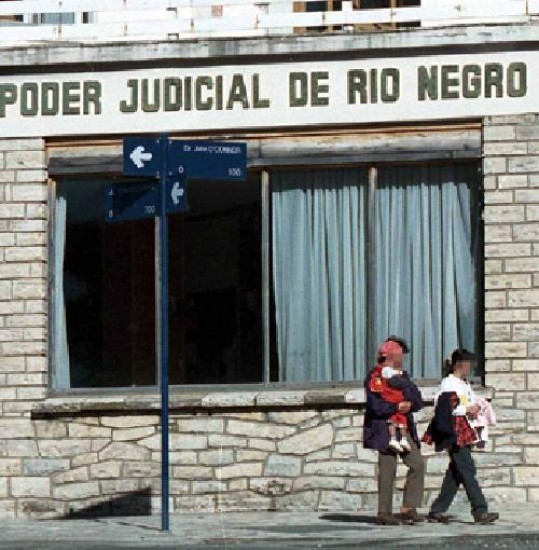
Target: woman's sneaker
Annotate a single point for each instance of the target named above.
(438, 518)
(394, 445)
(486, 517)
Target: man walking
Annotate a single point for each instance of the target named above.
(376, 436)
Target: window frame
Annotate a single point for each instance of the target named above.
(265, 168)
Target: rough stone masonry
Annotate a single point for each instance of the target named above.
(252, 450)
(511, 182)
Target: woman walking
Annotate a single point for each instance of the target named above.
(450, 430)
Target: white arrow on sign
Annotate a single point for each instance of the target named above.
(139, 156)
(176, 193)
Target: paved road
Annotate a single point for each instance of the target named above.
(506, 542)
(518, 529)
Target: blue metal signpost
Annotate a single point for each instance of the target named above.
(172, 162)
(163, 315)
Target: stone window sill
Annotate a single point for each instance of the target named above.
(86, 404)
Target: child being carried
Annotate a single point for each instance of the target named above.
(392, 392)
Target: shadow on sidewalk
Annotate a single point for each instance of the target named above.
(349, 518)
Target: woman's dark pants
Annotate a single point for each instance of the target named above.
(461, 470)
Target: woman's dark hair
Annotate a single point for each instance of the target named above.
(458, 355)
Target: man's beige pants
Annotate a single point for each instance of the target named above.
(415, 479)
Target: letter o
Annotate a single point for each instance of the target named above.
(29, 99)
(517, 84)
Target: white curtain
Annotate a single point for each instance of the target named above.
(423, 271)
(424, 261)
(61, 354)
(319, 273)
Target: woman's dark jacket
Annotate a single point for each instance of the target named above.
(445, 430)
(375, 428)
(441, 430)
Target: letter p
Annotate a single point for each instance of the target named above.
(8, 96)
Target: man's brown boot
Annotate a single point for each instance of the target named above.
(387, 519)
(411, 516)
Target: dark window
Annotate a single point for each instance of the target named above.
(323, 5)
(380, 4)
(105, 298)
(356, 254)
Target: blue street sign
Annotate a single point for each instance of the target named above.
(212, 160)
(142, 156)
(131, 201)
(176, 192)
(172, 162)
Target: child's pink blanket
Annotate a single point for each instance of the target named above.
(485, 418)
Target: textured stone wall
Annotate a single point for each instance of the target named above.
(511, 179)
(229, 461)
(264, 460)
(23, 306)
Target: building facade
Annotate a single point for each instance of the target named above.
(392, 189)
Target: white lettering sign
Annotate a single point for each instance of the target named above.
(269, 96)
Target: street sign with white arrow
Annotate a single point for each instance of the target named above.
(131, 201)
(173, 162)
(141, 156)
(136, 201)
(176, 196)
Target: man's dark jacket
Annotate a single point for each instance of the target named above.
(375, 428)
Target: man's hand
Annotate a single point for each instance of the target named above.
(405, 406)
(473, 411)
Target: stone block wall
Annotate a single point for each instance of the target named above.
(23, 308)
(221, 461)
(229, 461)
(511, 180)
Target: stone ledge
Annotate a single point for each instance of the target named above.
(50, 55)
(346, 397)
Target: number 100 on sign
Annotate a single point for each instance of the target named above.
(209, 160)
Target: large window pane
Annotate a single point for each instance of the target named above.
(57, 18)
(105, 299)
(216, 325)
(104, 295)
(319, 225)
(420, 276)
(425, 242)
(412, 257)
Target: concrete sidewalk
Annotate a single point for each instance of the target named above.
(517, 528)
